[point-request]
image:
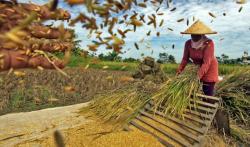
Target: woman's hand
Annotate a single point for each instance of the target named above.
(177, 73)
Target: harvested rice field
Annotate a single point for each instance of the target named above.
(27, 89)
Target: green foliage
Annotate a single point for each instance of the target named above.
(76, 61)
(130, 60)
(77, 48)
(171, 59)
(165, 58)
(224, 59)
(112, 56)
(169, 68)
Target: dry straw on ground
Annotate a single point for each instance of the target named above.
(235, 93)
(119, 106)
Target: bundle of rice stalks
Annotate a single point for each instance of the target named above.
(176, 94)
(235, 93)
(122, 105)
(118, 106)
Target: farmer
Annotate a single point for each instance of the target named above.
(200, 50)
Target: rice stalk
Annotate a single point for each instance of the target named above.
(122, 105)
(235, 93)
(118, 106)
(174, 96)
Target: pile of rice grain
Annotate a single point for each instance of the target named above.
(97, 134)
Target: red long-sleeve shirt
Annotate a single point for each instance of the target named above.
(208, 71)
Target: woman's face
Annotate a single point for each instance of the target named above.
(196, 38)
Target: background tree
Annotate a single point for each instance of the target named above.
(219, 59)
(224, 58)
(77, 47)
(171, 59)
(111, 56)
(130, 59)
(163, 58)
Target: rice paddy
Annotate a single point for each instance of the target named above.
(168, 68)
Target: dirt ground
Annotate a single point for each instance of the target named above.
(36, 129)
(28, 90)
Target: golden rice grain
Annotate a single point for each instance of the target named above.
(96, 134)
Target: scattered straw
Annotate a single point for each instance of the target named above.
(235, 93)
(118, 106)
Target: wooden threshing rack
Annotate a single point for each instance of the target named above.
(174, 131)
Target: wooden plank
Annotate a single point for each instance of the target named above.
(204, 103)
(203, 122)
(211, 120)
(182, 142)
(209, 97)
(181, 131)
(208, 110)
(147, 131)
(181, 122)
(205, 116)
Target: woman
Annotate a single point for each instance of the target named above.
(200, 50)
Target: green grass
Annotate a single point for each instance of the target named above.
(83, 62)
(227, 69)
(168, 68)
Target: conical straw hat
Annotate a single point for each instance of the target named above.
(198, 28)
